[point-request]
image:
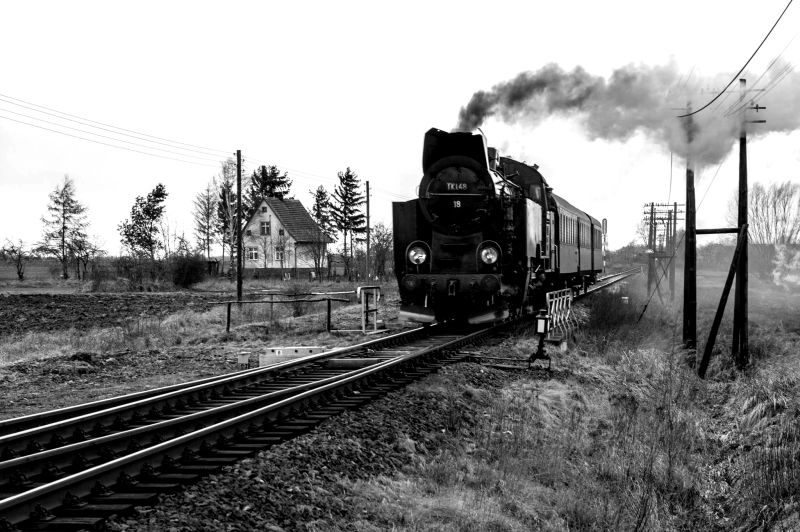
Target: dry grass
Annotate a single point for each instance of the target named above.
(284, 324)
(625, 438)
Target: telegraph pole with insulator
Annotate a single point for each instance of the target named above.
(741, 349)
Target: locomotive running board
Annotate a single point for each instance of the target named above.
(488, 317)
(417, 314)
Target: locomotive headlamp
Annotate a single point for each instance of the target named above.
(417, 255)
(489, 255)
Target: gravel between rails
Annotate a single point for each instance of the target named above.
(304, 484)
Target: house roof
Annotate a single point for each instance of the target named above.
(295, 219)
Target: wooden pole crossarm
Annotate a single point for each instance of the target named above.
(718, 231)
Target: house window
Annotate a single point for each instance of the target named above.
(264, 209)
(265, 228)
(280, 231)
(252, 253)
(279, 253)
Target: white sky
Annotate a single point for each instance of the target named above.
(314, 87)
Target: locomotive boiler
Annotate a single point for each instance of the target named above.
(486, 238)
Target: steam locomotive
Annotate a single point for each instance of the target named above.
(487, 238)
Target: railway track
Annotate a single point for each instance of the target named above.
(71, 468)
(608, 280)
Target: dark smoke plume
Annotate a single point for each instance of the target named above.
(634, 99)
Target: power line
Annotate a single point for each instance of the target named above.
(110, 125)
(88, 124)
(105, 143)
(104, 136)
(120, 131)
(743, 67)
(774, 82)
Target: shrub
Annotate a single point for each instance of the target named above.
(297, 291)
(187, 270)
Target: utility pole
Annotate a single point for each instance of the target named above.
(741, 349)
(662, 220)
(740, 340)
(238, 225)
(674, 247)
(368, 233)
(690, 267)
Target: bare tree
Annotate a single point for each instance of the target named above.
(265, 243)
(773, 213)
(17, 254)
(381, 249)
(85, 251)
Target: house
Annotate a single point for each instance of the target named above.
(281, 239)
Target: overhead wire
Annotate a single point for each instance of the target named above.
(105, 143)
(743, 67)
(145, 137)
(111, 125)
(105, 136)
(773, 82)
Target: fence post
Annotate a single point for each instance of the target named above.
(328, 324)
(228, 322)
(271, 305)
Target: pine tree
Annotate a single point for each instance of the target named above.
(140, 234)
(65, 226)
(205, 217)
(321, 214)
(347, 216)
(266, 182)
(321, 211)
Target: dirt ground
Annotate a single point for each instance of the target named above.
(20, 313)
(62, 349)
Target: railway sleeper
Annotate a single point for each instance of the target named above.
(136, 497)
(97, 510)
(67, 524)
